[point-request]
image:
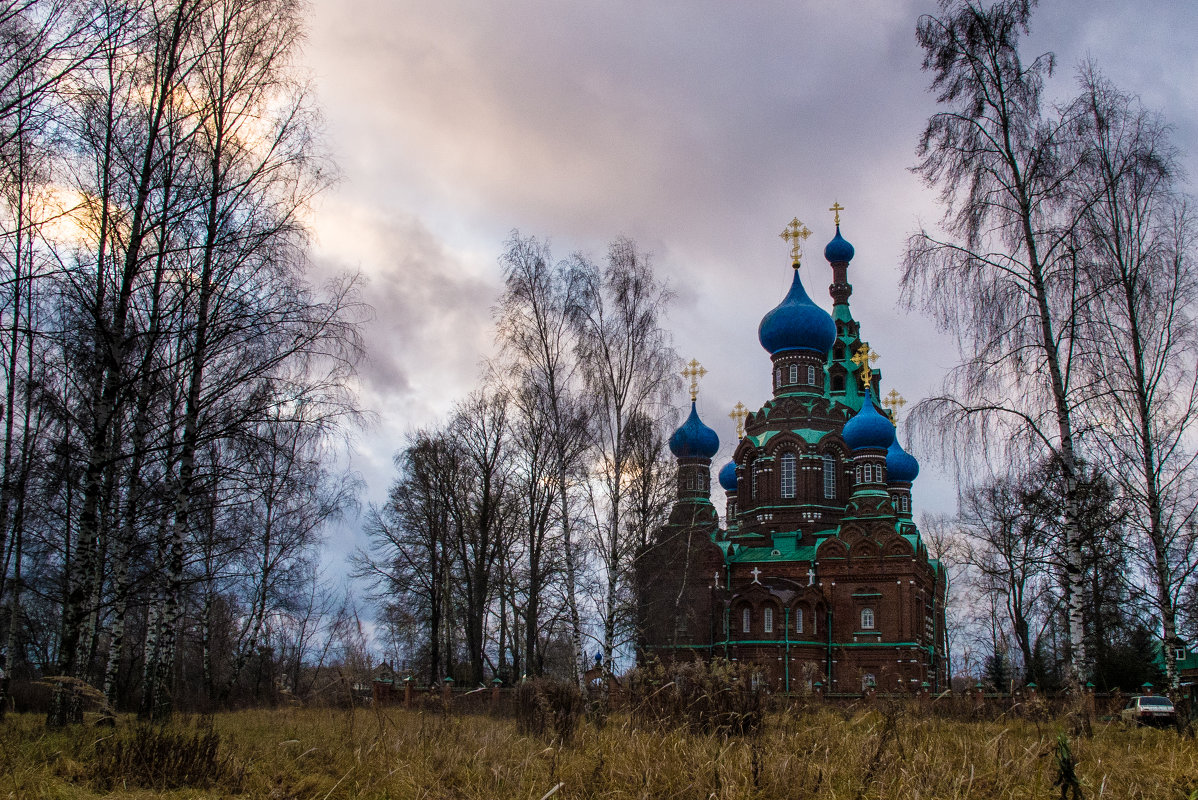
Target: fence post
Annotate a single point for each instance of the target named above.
(447, 689)
(978, 699)
(407, 692)
(495, 682)
(818, 689)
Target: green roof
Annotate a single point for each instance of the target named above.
(784, 547)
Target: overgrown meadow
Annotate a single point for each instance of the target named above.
(887, 751)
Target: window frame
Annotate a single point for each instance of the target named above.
(788, 476)
(829, 477)
(869, 620)
(746, 620)
(767, 619)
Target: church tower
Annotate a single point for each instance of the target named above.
(820, 575)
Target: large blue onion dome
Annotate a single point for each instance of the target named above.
(869, 428)
(728, 477)
(838, 249)
(797, 324)
(694, 439)
(901, 466)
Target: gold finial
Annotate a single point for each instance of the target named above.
(863, 359)
(894, 401)
(739, 412)
(837, 208)
(693, 372)
(795, 233)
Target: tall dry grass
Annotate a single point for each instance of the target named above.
(890, 751)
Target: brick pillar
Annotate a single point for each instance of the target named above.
(495, 682)
(407, 692)
(871, 694)
(979, 701)
(1031, 691)
(447, 690)
(1088, 698)
(818, 690)
(1147, 688)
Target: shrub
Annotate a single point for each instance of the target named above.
(549, 707)
(159, 758)
(706, 697)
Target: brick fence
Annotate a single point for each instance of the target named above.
(970, 704)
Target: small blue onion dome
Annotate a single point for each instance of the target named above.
(694, 439)
(797, 324)
(728, 477)
(901, 466)
(838, 249)
(869, 428)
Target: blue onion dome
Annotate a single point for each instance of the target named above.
(728, 477)
(838, 249)
(694, 439)
(797, 324)
(869, 428)
(901, 466)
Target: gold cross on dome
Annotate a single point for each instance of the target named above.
(694, 370)
(795, 233)
(863, 359)
(894, 401)
(739, 412)
(836, 209)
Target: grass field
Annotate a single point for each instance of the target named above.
(825, 753)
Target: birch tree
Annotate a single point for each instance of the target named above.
(1003, 277)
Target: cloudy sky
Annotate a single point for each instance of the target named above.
(697, 128)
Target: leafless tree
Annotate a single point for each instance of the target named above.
(1137, 241)
(1004, 278)
(629, 369)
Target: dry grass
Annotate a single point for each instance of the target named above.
(824, 753)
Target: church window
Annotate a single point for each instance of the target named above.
(777, 377)
(798, 620)
(906, 503)
(753, 480)
(868, 681)
(838, 383)
(788, 475)
(838, 352)
(767, 620)
(829, 477)
(867, 619)
(794, 373)
(746, 620)
(860, 474)
(811, 375)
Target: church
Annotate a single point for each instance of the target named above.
(819, 577)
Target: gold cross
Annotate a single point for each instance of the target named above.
(894, 401)
(837, 208)
(693, 372)
(863, 359)
(739, 412)
(795, 233)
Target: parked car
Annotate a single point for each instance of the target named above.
(1149, 710)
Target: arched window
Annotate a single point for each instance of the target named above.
(794, 374)
(811, 375)
(767, 620)
(838, 383)
(829, 477)
(798, 620)
(753, 480)
(906, 503)
(777, 377)
(867, 619)
(746, 620)
(860, 474)
(788, 475)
